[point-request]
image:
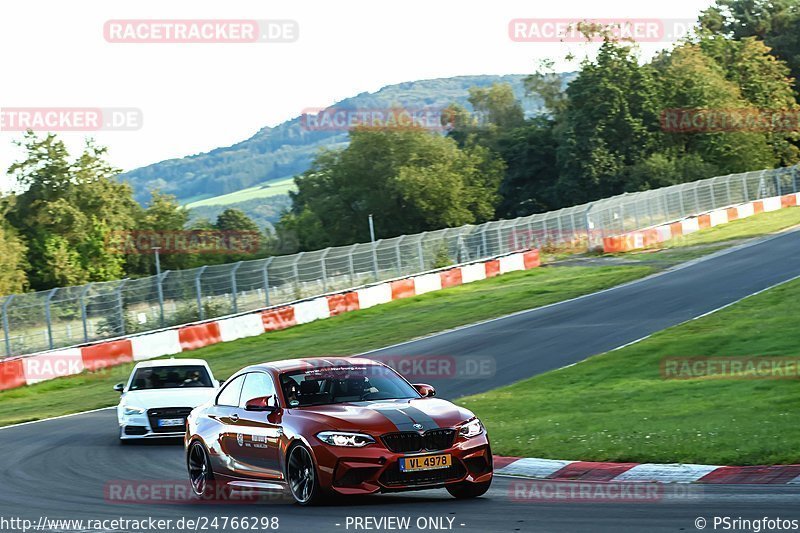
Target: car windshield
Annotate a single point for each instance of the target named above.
(171, 377)
(341, 384)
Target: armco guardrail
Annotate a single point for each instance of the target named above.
(70, 316)
(31, 369)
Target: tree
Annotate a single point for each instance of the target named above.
(13, 278)
(497, 105)
(725, 152)
(530, 155)
(776, 22)
(235, 220)
(410, 179)
(65, 211)
(609, 123)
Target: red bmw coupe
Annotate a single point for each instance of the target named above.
(334, 426)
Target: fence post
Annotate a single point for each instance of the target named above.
(48, 318)
(728, 186)
(421, 252)
(516, 240)
(485, 247)
(5, 324)
(375, 258)
(533, 240)
(778, 184)
(794, 179)
(233, 287)
(500, 238)
(160, 291)
(560, 236)
(199, 292)
(324, 270)
(399, 257)
(744, 188)
(351, 266)
(84, 318)
(120, 307)
(266, 279)
(296, 275)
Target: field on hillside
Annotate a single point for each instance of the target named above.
(263, 190)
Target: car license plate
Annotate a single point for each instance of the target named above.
(425, 462)
(170, 422)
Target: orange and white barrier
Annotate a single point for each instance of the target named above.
(28, 370)
(648, 237)
(156, 344)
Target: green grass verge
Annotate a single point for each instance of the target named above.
(346, 334)
(617, 407)
(264, 190)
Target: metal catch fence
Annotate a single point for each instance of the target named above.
(69, 316)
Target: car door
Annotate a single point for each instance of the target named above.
(226, 414)
(258, 432)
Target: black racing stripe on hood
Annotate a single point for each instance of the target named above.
(401, 421)
(420, 418)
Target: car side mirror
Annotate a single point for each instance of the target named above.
(119, 387)
(262, 403)
(425, 390)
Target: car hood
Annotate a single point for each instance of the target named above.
(386, 416)
(180, 397)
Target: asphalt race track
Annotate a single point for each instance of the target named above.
(68, 468)
(540, 340)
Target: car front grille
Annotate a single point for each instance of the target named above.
(154, 415)
(411, 441)
(393, 476)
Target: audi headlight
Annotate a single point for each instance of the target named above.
(343, 438)
(473, 428)
(130, 410)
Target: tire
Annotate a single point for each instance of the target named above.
(466, 490)
(201, 476)
(302, 477)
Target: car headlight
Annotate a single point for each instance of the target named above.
(343, 438)
(473, 428)
(128, 410)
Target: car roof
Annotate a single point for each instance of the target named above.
(290, 365)
(171, 362)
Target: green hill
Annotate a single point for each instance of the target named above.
(208, 180)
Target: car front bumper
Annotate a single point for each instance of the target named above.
(375, 468)
(140, 426)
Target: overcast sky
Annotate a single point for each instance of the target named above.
(196, 97)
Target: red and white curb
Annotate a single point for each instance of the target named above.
(560, 470)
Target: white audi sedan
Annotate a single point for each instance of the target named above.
(160, 394)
